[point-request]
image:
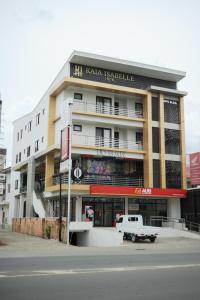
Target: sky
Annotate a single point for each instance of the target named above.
(37, 37)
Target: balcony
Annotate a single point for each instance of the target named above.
(23, 189)
(102, 180)
(101, 142)
(80, 106)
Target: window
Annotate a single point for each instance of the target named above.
(173, 174)
(155, 109)
(36, 145)
(172, 141)
(20, 156)
(21, 133)
(25, 127)
(37, 119)
(28, 151)
(8, 187)
(16, 184)
(18, 136)
(155, 139)
(16, 160)
(156, 173)
(77, 128)
(78, 96)
(29, 126)
(120, 220)
(171, 111)
(132, 219)
(42, 139)
(43, 111)
(139, 138)
(139, 109)
(24, 151)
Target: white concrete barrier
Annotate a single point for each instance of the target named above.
(100, 237)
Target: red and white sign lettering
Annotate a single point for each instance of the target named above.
(136, 191)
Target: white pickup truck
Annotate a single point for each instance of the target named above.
(133, 229)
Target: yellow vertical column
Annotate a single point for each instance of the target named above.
(182, 144)
(49, 170)
(51, 123)
(148, 163)
(49, 167)
(162, 142)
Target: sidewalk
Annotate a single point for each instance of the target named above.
(21, 245)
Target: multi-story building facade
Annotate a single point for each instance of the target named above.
(127, 139)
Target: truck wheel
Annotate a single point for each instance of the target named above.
(134, 238)
(152, 240)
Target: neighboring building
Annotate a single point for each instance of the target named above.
(190, 207)
(127, 138)
(5, 197)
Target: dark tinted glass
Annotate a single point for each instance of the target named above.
(172, 141)
(155, 139)
(171, 111)
(156, 173)
(155, 109)
(173, 174)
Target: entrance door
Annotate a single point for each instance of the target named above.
(98, 214)
(108, 215)
(103, 214)
(103, 105)
(103, 137)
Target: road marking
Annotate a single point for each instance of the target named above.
(97, 270)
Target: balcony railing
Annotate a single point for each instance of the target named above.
(23, 189)
(102, 180)
(80, 106)
(102, 142)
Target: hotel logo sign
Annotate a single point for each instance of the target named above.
(116, 77)
(102, 75)
(78, 71)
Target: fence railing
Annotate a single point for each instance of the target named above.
(102, 179)
(172, 222)
(99, 141)
(80, 106)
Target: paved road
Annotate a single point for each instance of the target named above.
(141, 276)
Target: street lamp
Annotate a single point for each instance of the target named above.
(70, 103)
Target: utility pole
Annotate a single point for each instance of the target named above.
(69, 167)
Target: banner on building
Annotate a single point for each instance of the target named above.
(137, 191)
(195, 168)
(65, 144)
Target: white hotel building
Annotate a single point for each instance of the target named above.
(127, 138)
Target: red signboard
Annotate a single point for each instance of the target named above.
(65, 144)
(195, 168)
(136, 191)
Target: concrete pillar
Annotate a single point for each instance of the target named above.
(173, 208)
(78, 216)
(21, 207)
(126, 206)
(30, 187)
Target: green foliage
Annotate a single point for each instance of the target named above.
(48, 231)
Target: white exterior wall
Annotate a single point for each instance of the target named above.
(28, 138)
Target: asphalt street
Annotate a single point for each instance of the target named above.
(141, 276)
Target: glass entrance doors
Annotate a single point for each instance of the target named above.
(105, 210)
(103, 214)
